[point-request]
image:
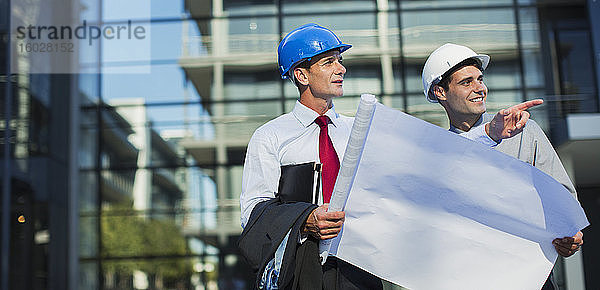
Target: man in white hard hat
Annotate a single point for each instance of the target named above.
(453, 77)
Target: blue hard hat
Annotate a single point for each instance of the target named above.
(305, 42)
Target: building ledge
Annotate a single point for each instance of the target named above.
(583, 126)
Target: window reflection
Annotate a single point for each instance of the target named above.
(161, 208)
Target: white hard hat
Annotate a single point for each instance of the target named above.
(442, 60)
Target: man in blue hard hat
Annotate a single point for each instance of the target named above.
(312, 136)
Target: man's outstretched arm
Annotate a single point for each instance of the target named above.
(510, 122)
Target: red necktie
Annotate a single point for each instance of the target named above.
(329, 159)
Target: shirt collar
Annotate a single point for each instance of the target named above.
(306, 116)
(484, 118)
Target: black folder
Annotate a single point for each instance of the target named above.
(300, 182)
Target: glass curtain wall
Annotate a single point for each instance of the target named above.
(161, 152)
(35, 111)
(147, 207)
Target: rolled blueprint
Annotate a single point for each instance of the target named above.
(356, 143)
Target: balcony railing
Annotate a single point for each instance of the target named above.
(120, 184)
(562, 105)
(418, 40)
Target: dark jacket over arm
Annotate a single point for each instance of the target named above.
(268, 225)
(270, 222)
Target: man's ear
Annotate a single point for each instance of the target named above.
(439, 92)
(301, 76)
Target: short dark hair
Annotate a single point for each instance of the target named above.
(447, 77)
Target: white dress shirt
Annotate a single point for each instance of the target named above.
(293, 138)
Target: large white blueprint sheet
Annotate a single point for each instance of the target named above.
(429, 209)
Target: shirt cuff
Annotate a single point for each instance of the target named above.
(478, 134)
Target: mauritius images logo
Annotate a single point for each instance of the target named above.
(89, 33)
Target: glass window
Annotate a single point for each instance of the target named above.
(234, 179)
(166, 9)
(88, 192)
(165, 83)
(539, 113)
(249, 7)
(502, 73)
(576, 73)
(125, 187)
(126, 234)
(252, 35)
(177, 123)
(533, 68)
(289, 105)
(398, 77)
(88, 89)
(167, 39)
(167, 42)
(529, 26)
(414, 69)
(502, 99)
(358, 29)
(362, 78)
(393, 31)
(347, 105)
(531, 48)
(189, 199)
(167, 273)
(256, 84)
(88, 275)
(128, 43)
(90, 10)
(424, 4)
(196, 41)
(88, 138)
(234, 122)
(152, 134)
(488, 31)
(115, 10)
(290, 91)
(89, 65)
(397, 102)
(433, 113)
(260, 109)
(392, 4)
(300, 6)
(482, 30)
(88, 236)
(118, 149)
(169, 187)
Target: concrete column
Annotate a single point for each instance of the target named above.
(387, 71)
(573, 273)
(574, 276)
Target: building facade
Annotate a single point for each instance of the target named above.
(118, 179)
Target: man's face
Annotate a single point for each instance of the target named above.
(466, 92)
(326, 75)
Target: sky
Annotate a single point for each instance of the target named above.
(163, 81)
